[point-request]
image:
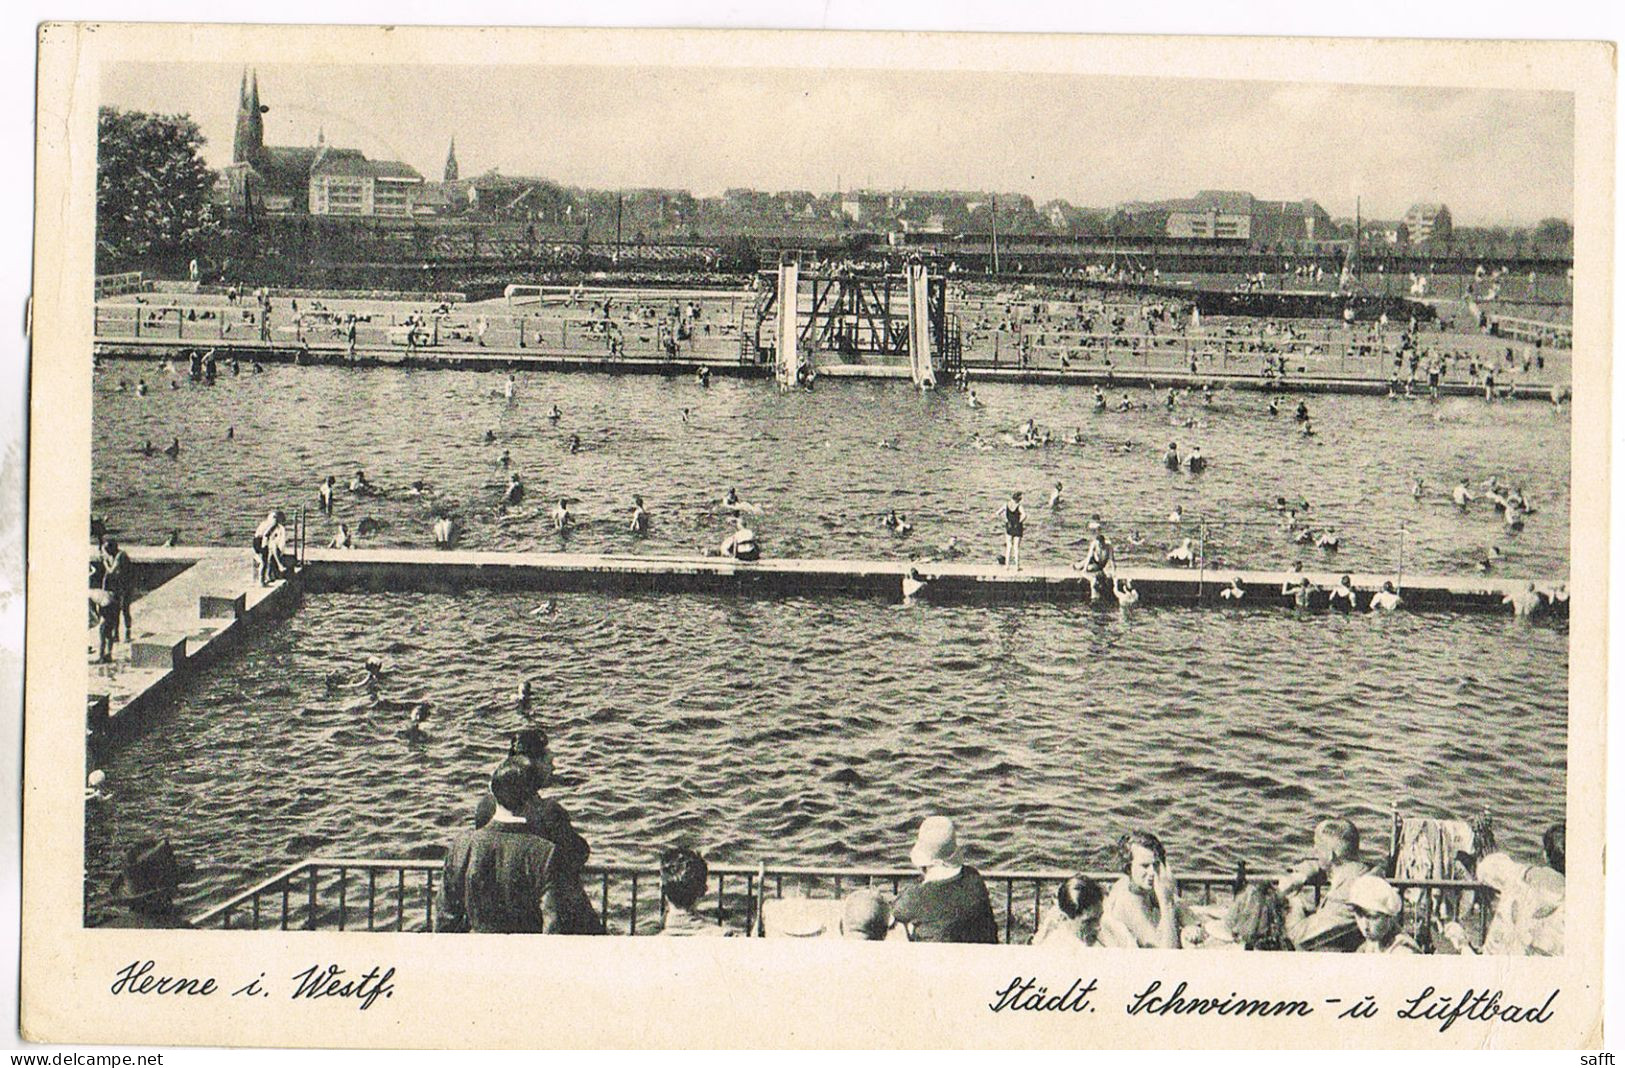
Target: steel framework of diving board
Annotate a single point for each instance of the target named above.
(856, 315)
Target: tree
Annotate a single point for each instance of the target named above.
(1554, 232)
(152, 191)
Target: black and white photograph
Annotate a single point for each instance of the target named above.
(1107, 516)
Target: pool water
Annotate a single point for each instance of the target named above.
(824, 466)
(820, 732)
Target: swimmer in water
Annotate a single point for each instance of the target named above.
(490, 437)
(574, 445)
(1302, 414)
(173, 449)
(1308, 430)
(141, 387)
(231, 433)
(563, 520)
(1077, 436)
(418, 488)
(555, 415)
(1124, 404)
(640, 516)
(950, 549)
(414, 731)
(1135, 538)
(1274, 407)
(1525, 602)
(359, 484)
(886, 443)
(1055, 496)
(371, 676)
(1234, 591)
(1177, 515)
(1123, 589)
(505, 459)
(508, 388)
(343, 539)
(515, 492)
(1196, 461)
(1416, 489)
(444, 531)
(1100, 400)
(1280, 504)
(1327, 540)
(1207, 395)
(685, 415)
(148, 449)
(1462, 496)
(1183, 554)
(971, 399)
(1386, 599)
(1297, 586)
(523, 700)
(1171, 400)
(1342, 595)
(1170, 459)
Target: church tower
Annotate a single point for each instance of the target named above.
(451, 162)
(249, 144)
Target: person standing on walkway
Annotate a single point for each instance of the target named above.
(1015, 525)
(116, 580)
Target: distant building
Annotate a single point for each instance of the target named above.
(450, 173)
(344, 182)
(1227, 215)
(320, 180)
(1428, 222)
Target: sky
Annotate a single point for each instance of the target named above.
(1495, 157)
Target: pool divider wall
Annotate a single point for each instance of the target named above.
(211, 597)
(430, 570)
(591, 363)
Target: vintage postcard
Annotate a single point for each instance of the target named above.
(581, 530)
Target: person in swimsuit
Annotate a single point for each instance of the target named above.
(741, 544)
(1170, 459)
(1015, 525)
(1183, 554)
(325, 494)
(1234, 591)
(1386, 599)
(515, 491)
(563, 520)
(1196, 461)
(1342, 595)
(640, 517)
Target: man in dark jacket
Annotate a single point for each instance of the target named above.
(502, 878)
(144, 897)
(546, 817)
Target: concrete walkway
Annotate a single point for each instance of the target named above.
(178, 626)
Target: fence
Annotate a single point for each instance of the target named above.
(400, 895)
(113, 285)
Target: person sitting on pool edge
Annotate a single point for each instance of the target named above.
(741, 544)
(1076, 914)
(1337, 858)
(950, 902)
(1142, 910)
(683, 877)
(865, 916)
(1377, 909)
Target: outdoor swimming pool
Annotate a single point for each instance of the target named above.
(816, 463)
(820, 732)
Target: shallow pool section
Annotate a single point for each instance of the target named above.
(825, 466)
(803, 732)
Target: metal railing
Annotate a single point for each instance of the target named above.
(400, 895)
